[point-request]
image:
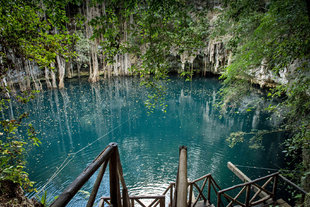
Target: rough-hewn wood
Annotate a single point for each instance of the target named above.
(94, 192)
(244, 178)
(126, 201)
(114, 180)
(181, 184)
(64, 198)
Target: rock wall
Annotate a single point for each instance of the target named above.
(216, 57)
(11, 195)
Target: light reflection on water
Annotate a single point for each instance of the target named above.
(113, 111)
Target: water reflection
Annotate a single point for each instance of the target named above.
(88, 117)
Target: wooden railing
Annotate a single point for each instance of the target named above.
(250, 193)
(109, 155)
(253, 193)
(243, 197)
(248, 198)
(204, 191)
(144, 201)
(141, 200)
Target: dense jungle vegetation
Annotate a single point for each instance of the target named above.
(52, 40)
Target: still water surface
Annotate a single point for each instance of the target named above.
(89, 117)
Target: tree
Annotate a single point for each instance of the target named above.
(26, 40)
(272, 37)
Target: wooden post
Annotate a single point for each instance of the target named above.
(181, 184)
(171, 195)
(126, 201)
(247, 195)
(218, 200)
(162, 202)
(209, 189)
(94, 192)
(190, 194)
(274, 187)
(114, 181)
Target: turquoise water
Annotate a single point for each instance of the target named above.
(113, 111)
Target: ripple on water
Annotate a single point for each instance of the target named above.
(114, 111)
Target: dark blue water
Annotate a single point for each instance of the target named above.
(89, 117)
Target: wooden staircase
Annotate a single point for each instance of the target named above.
(182, 193)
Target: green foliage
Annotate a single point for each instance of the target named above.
(27, 32)
(16, 140)
(255, 140)
(82, 47)
(34, 31)
(44, 199)
(149, 30)
(277, 36)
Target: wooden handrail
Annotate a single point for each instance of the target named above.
(293, 184)
(248, 183)
(64, 198)
(158, 199)
(237, 196)
(94, 192)
(247, 186)
(201, 178)
(210, 183)
(126, 201)
(260, 190)
(109, 155)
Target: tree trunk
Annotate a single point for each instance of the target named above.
(92, 12)
(115, 65)
(47, 78)
(61, 71)
(94, 76)
(79, 65)
(69, 71)
(54, 84)
(5, 87)
(37, 84)
(26, 83)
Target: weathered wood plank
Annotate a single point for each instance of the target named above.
(244, 178)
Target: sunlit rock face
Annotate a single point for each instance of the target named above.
(263, 76)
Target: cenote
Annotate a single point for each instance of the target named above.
(75, 124)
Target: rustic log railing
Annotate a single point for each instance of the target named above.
(250, 199)
(254, 193)
(250, 193)
(144, 201)
(208, 185)
(247, 194)
(140, 200)
(297, 188)
(170, 190)
(109, 155)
